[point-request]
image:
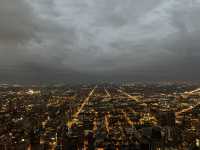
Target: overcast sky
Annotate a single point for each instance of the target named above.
(88, 40)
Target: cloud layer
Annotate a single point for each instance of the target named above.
(99, 39)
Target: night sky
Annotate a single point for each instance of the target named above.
(99, 40)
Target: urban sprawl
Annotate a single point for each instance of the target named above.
(126, 116)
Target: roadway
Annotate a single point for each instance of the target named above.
(187, 109)
(107, 92)
(135, 98)
(107, 116)
(85, 102)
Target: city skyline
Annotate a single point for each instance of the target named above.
(100, 117)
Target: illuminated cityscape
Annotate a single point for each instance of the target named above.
(99, 75)
(138, 116)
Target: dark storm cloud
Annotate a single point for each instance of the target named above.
(16, 21)
(68, 39)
